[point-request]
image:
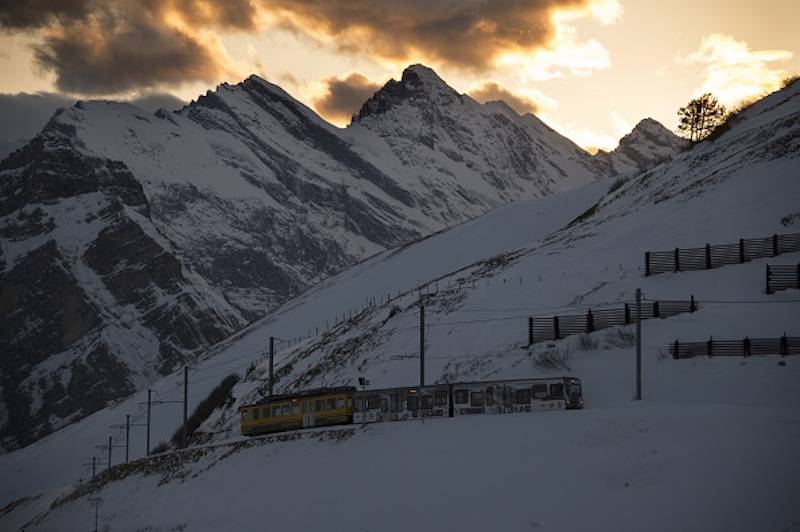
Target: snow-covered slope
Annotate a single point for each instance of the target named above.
(158, 235)
(648, 144)
(612, 455)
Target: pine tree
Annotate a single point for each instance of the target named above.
(700, 117)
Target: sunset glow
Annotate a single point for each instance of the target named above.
(586, 67)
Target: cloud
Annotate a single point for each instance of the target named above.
(23, 115)
(565, 53)
(464, 33)
(733, 72)
(491, 91)
(343, 97)
(36, 14)
(105, 47)
(117, 46)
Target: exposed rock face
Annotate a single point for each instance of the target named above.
(131, 242)
(89, 301)
(648, 144)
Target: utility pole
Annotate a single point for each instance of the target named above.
(109, 452)
(638, 344)
(127, 435)
(149, 394)
(185, 403)
(96, 502)
(421, 342)
(94, 466)
(271, 362)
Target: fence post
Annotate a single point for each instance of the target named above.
(768, 292)
(774, 245)
(656, 313)
(675, 352)
(708, 256)
(784, 345)
(628, 309)
(741, 250)
(677, 259)
(555, 327)
(530, 331)
(646, 263)
(589, 321)
(710, 346)
(746, 346)
(692, 305)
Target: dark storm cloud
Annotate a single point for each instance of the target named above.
(113, 46)
(104, 47)
(119, 56)
(464, 33)
(491, 91)
(345, 96)
(23, 115)
(30, 14)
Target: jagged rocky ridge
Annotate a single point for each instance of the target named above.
(648, 144)
(131, 242)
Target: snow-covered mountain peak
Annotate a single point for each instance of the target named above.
(649, 143)
(418, 86)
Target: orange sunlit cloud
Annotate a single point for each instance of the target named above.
(735, 73)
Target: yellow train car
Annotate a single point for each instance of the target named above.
(313, 408)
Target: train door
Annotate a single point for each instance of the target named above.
(308, 413)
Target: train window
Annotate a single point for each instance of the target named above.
(476, 399)
(540, 391)
(489, 396)
(440, 398)
(255, 413)
(361, 404)
(427, 402)
(295, 409)
(331, 403)
(349, 402)
(575, 388)
(319, 405)
(373, 402)
(384, 405)
(461, 397)
(276, 410)
(265, 412)
(340, 403)
(557, 390)
(245, 414)
(522, 397)
(412, 402)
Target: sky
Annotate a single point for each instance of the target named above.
(591, 69)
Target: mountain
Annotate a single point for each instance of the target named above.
(648, 144)
(453, 146)
(584, 251)
(8, 146)
(132, 242)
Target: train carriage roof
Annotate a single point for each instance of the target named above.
(315, 392)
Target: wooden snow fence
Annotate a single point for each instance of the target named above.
(708, 257)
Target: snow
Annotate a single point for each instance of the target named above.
(656, 466)
(714, 445)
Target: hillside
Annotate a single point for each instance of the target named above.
(616, 461)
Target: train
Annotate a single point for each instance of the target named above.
(345, 405)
